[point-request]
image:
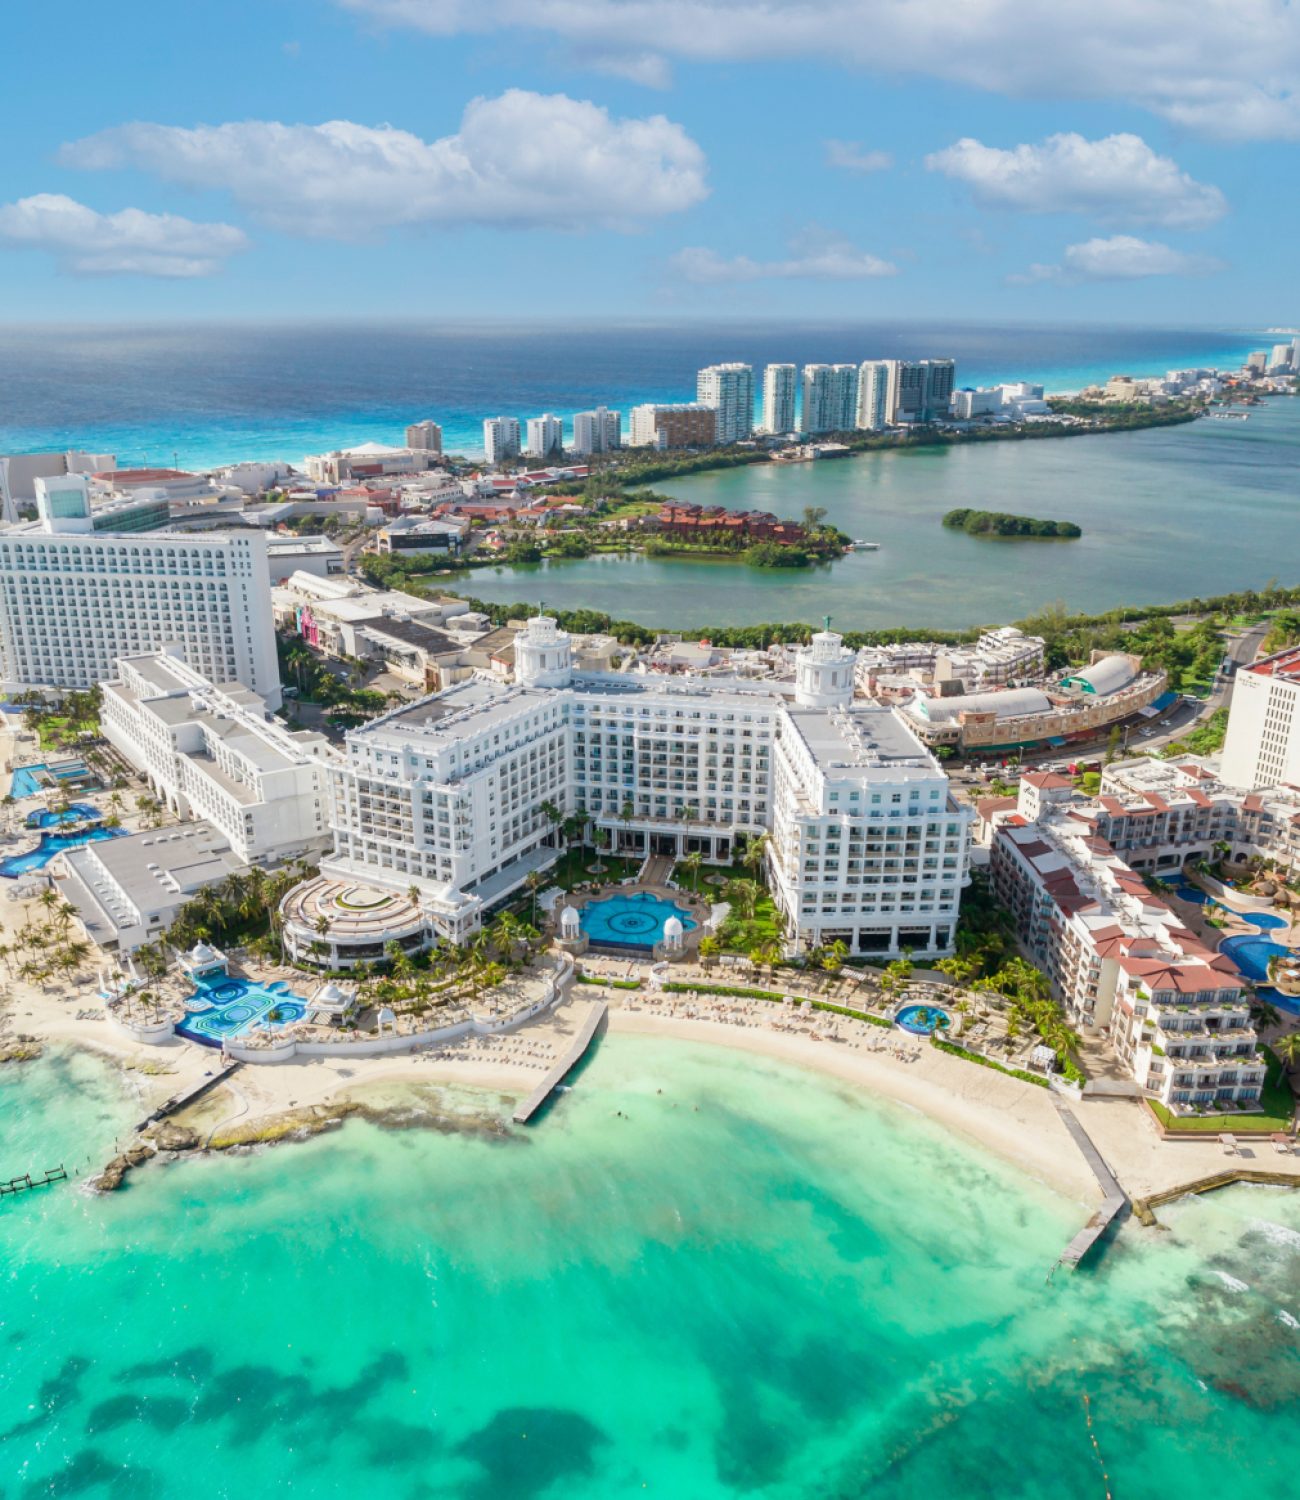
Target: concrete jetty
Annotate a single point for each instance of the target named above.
(529, 1107)
(179, 1101)
(1145, 1208)
(1114, 1199)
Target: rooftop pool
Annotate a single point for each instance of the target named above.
(633, 922)
(225, 1007)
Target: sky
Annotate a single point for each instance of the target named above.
(1021, 160)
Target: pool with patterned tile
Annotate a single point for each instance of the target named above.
(226, 1006)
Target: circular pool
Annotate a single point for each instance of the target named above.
(631, 921)
(922, 1020)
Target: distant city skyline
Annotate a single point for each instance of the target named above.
(1031, 162)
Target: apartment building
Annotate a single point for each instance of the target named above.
(214, 752)
(729, 390)
(425, 437)
(921, 389)
(446, 796)
(1262, 747)
(1122, 962)
(73, 600)
(685, 424)
(780, 392)
(875, 388)
(501, 439)
(545, 436)
(830, 398)
(598, 431)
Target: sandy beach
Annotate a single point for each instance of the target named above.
(1017, 1121)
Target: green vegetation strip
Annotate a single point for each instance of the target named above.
(987, 1062)
(1276, 1097)
(1001, 523)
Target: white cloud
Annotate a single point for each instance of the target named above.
(1224, 67)
(130, 242)
(815, 256)
(1122, 257)
(851, 156)
(1118, 179)
(521, 160)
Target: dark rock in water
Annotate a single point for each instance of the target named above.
(168, 1136)
(110, 1179)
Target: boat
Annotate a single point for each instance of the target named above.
(861, 546)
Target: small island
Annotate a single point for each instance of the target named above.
(999, 523)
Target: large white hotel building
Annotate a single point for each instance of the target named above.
(445, 797)
(73, 600)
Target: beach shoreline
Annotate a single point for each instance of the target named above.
(472, 1086)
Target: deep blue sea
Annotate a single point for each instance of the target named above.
(204, 394)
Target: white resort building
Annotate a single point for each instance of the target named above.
(73, 599)
(438, 807)
(215, 753)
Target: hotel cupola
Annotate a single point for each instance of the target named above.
(824, 671)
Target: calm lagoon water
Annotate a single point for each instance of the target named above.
(1168, 513)
(791, 1291)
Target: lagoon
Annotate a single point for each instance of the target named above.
(1167, 514)
(756, 1283)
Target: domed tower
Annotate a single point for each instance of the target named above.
(824, 672)
(543, 654)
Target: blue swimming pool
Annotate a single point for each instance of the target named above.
(225, 1007)
(1186, 891)
(76, 812)
(633, 921)
(27, 779)
(921, 1020)
(1251, 954)
(52, 844)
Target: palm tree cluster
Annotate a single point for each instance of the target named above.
(242, 909)
(39, 951)
(416, 984)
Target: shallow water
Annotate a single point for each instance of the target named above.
(755, 1282)
(1167, 514)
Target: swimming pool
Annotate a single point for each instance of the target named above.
(52, 844)
(1251, 954)
(632, 922)
(26, 779)
(921, 1020)
(225, 1007)
(77, 812)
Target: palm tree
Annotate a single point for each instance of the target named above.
(743, 895)
(709, 949)
(1287, 1050)
(833, 956)
(534, 881)
(754, 852)
(691, 864)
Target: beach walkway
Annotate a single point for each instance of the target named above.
(1114, 1198)
(556, 1076)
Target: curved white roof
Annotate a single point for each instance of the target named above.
(200, 953)
(1107, 675)
(569, 919)
(673, 927)
(1014, 703)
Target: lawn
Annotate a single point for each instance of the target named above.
(1276, 1097)
(572, 867)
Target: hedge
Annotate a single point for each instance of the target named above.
(987, 1062)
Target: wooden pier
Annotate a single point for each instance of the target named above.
(179, 1101)
(1114, 1198)
(595, 1015)
(1144, 1208)
(22, 1184)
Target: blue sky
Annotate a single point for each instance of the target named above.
(1131, 160)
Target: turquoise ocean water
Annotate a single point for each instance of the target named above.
(755, 1283)
(206, 394)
